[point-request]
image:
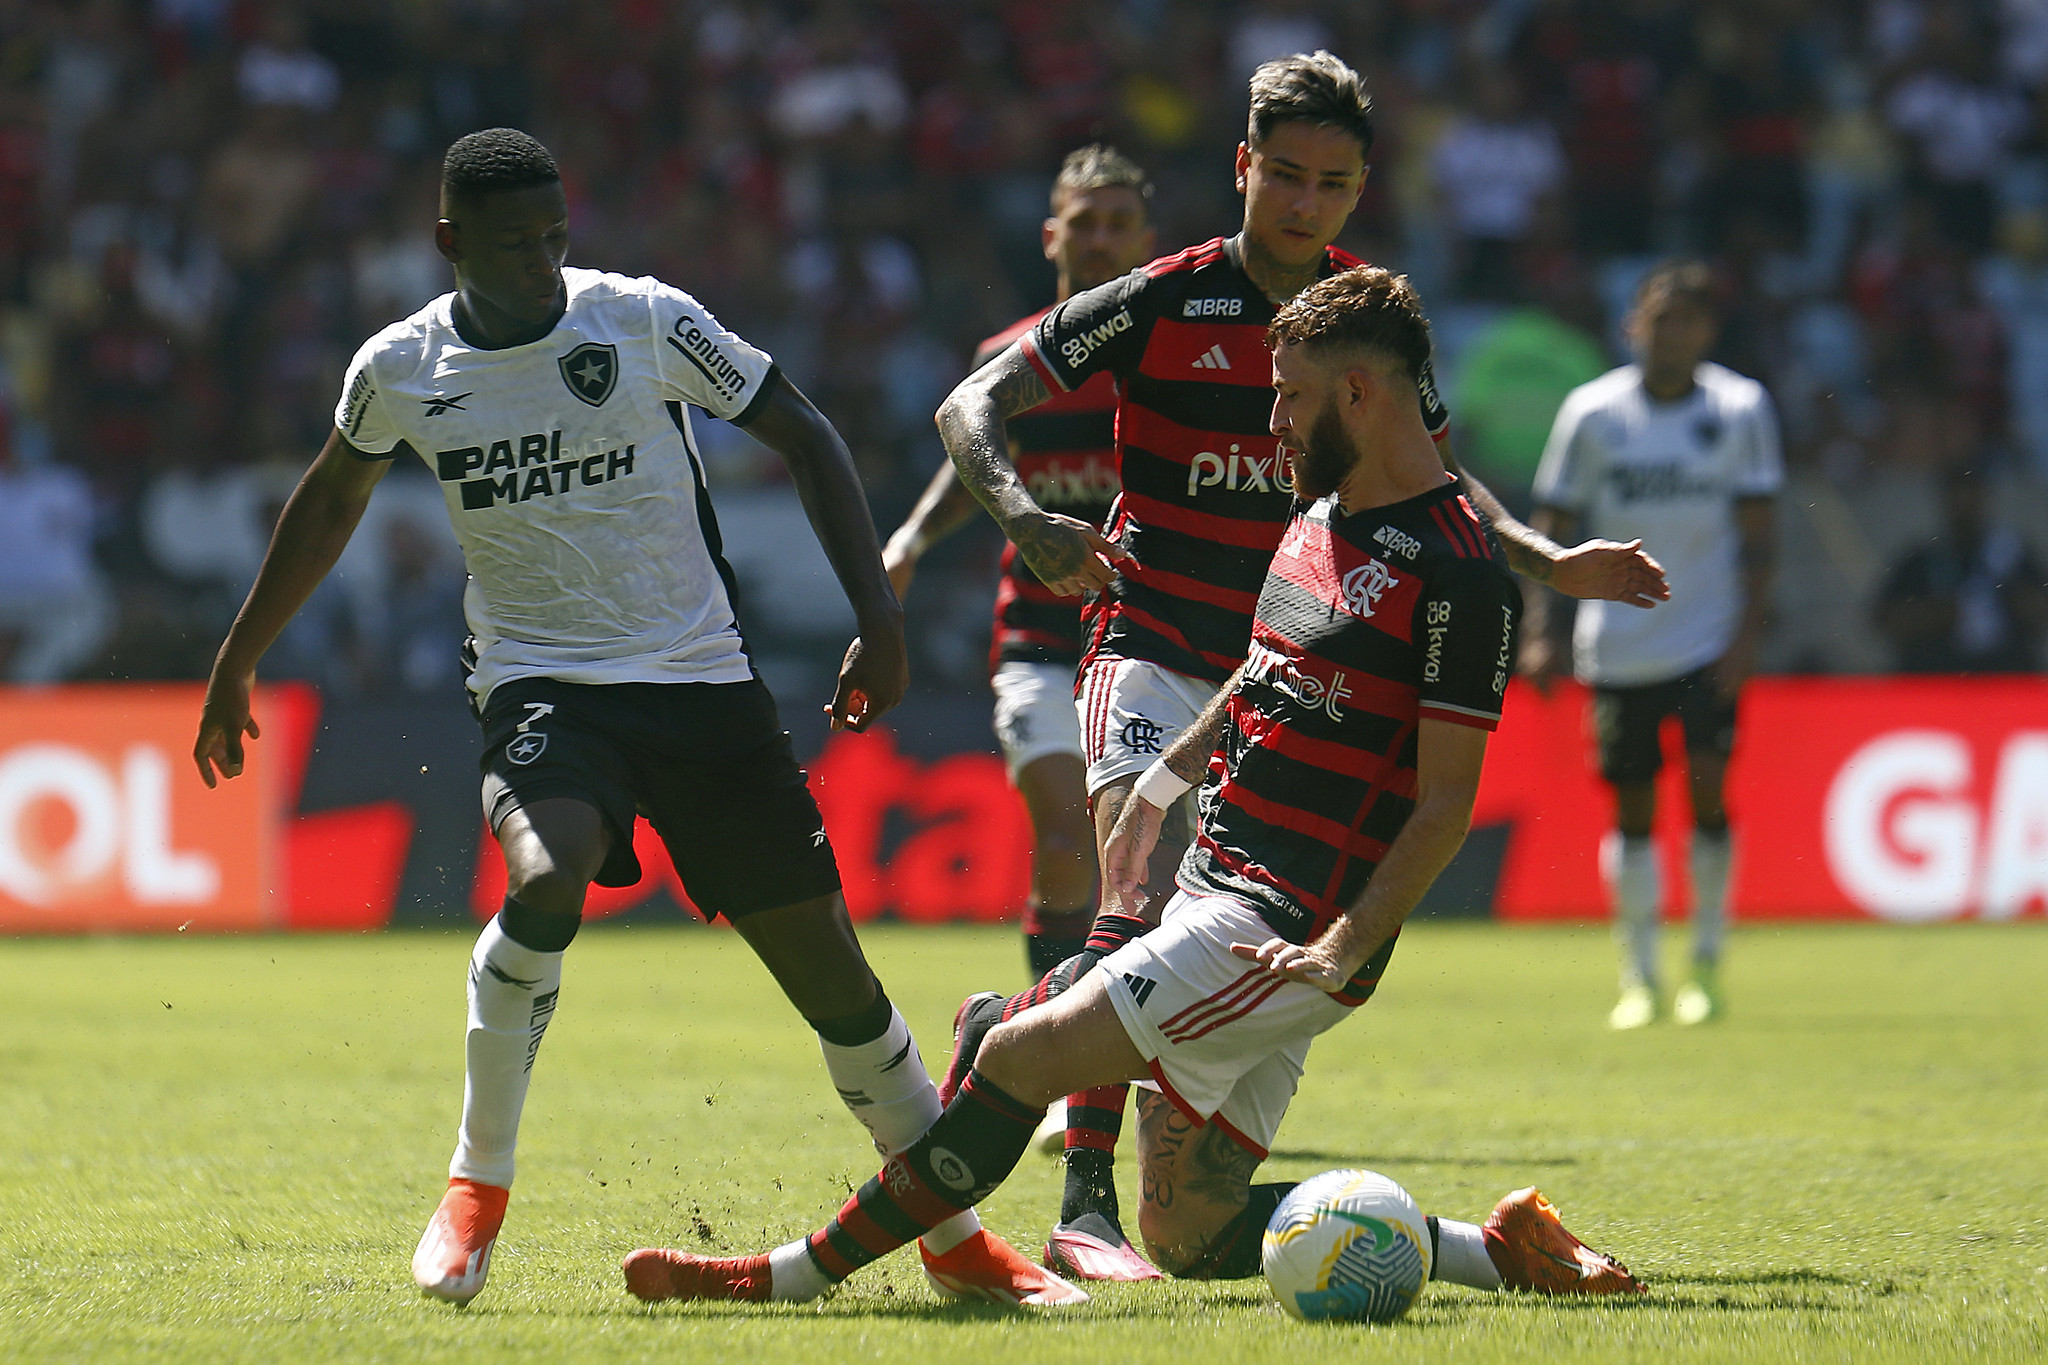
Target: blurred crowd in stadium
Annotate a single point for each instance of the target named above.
(206, 205)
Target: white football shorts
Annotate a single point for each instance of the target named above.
(1130, 711)
(1035, 713)
(1224, 1038)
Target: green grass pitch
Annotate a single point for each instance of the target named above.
(224, 1151)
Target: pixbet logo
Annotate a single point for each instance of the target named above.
(1907, 840)
(1287, 677)
(1236, 470)
(70, 821)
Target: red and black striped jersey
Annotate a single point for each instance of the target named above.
(1065, 451)
(1205, 484)
(1369, 623)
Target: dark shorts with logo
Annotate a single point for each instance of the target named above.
(1626, 721)
(708, 764)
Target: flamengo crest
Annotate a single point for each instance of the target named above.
(591, 371)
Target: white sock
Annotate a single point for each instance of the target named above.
(886, 1086)
(1712, 855)
(793, 1277)
(1461, 1256)
(1636, 896)
(512, 991)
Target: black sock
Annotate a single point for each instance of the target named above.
(862, 1026)
(540, 931)
(1233, 1254)
(1047, 949)
(1090, 1187)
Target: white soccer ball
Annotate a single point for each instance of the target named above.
(1347, 1246)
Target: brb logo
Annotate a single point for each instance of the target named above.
(1237, 471)
(1907, 839)
(1364, 585)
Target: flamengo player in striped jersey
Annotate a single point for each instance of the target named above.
(609, 672)
(1065, 451)
(1205, 492)
(1352, 738)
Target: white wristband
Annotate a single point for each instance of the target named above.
(1161, 786)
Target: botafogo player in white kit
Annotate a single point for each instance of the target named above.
(1684, 454)
(608, 669)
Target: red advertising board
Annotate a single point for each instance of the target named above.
(1896, 799)
(1905, 799)
(105, 825)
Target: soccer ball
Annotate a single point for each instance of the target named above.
(1347, 1246)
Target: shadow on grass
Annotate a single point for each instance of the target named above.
(1162, 1306)
(1381, 1161)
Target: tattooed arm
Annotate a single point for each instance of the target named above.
(1069, 555)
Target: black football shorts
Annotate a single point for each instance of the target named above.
(708, 764)
(1626, 722)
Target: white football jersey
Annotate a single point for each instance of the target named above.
(571, 474)
(1669, 473)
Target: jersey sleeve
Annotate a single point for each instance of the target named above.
(1098, 329)
(701, 363)
(361, 416)
(1760, 460)
(1465, 623)
(1569, 470)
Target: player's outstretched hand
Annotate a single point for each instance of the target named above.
(1295, 962)
(1129, 850)
(873, 679)
(1617, 573)
(223, 720)
(1069, 556)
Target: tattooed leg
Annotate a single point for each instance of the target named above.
(1194, 1182)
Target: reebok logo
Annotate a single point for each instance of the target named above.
(900, 1057)
(1212, 359)
(438, 405)
(1211, 308)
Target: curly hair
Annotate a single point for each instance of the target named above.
(1365, 309)
(496, 159)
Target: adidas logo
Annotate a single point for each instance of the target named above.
(1213, 359)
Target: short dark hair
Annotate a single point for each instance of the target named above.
(1366, 308)
(1315, 88)
(1674, 281)
(496, 159)
(1099, 166)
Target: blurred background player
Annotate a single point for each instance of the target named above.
(609, 674)
(1338, 767)
(1204, 499)
(1683, 454)
(1065, 451)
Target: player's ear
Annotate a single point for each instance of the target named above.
(1244, 165)
(447, 242)
(1045, 236)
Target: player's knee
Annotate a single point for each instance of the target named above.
(1015, 1064)
(547, 888)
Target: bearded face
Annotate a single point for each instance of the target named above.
(1326, 457)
